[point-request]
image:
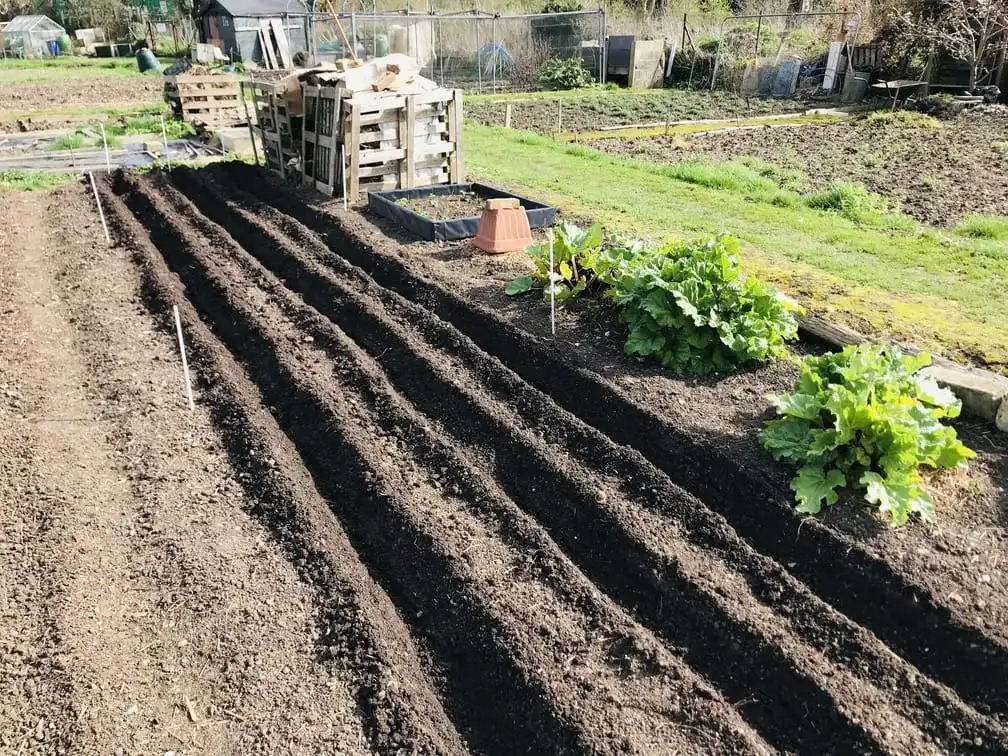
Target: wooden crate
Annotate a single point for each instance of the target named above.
(209, 100)
(402, 141)
(278, 131)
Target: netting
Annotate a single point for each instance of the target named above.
(477, 51)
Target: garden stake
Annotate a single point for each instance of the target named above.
(164, 139)
(101, 213)
(559, 117)
(343, 174)
(185, 363)
(507, 116)
(552, 291)
(108, 164)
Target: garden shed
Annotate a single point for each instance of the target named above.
(32, 36)
(233, 26)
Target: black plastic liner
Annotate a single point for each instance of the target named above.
(384, 204)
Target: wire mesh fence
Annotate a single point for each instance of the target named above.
(477, 51)
(772, 54)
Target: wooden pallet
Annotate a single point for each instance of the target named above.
(402, 141)
(208, 100)
(322, 139)
(278, 131)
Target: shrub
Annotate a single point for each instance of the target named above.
(688, 306)
(568, 73)
(865, 417)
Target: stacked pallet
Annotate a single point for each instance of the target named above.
(273, 125)
(207, 100)
(402, 141)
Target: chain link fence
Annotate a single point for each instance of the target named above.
(481, 52)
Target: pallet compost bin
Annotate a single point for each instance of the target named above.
(273, 126)
(385, 204)
(212, 100)
(395, 141)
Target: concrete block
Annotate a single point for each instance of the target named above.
(982, 393)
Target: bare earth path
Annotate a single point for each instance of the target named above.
(141, 609)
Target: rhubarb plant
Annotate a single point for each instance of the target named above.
(688, 306)
(866, 418)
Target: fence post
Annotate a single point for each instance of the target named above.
(759, 28)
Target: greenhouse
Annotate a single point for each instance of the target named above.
(32, 37)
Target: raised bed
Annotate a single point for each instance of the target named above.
(387, 205)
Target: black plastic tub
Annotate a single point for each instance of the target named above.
(384, 204)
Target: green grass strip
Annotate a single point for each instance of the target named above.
(940, 289)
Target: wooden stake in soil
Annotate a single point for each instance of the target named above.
(552, 289)
(343, 174)
(185, 363)
(164, 140)
(101, 213)
(108, 163)
(507, 116)
(559, 117)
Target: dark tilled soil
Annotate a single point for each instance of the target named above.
(500, 550)
(623, 109)
(616, 494)
(438, 207)
(935, 175)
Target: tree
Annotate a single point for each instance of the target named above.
(970, 30)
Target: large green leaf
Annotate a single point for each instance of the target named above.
(519, 286)
(813, 486)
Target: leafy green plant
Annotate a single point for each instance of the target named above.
(565, 73)
(580, 260)
(688, 306)
(865, 417)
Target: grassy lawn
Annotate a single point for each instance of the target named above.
(68, 67)
(938, 289)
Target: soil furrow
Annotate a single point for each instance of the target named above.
(359, 633)
(859, 584)
(420, 540)
(646, 543)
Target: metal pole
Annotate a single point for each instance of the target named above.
(493, 49)
(108, 163)
(439, 52)
(759, 28)
(605, 48)
(479, 63)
